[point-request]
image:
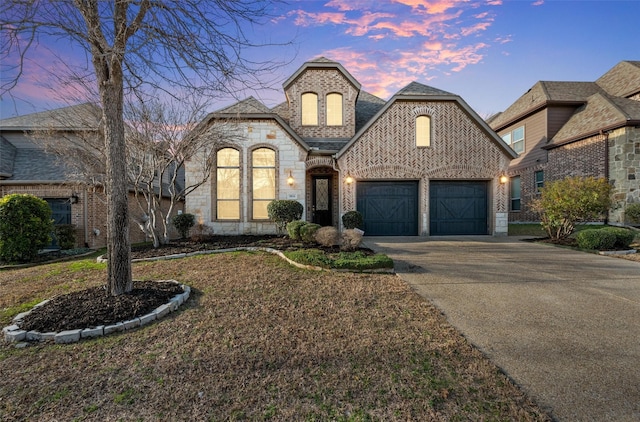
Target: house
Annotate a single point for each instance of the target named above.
(562, 129)
(28, 164)
(421, 163)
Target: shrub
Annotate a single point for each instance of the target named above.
(633, 213)
(351, 239)
(201, 232)
(565, 202)
(359, 261)
(65, 235)
(595, 239)
(308, 232)
(293, 229)
(328, 236)
(352, 220)
(283, 211)
(183, 223)
(624, 237)
(313, 257)
(25, 227)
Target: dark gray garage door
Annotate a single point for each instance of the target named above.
(388, 208)
(458, 208)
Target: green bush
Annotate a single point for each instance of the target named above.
(65, 235)
(293, 229)
(25, 227)
(633, 213)
(308, 232)
(183, 223)
(284, 211)
(596, 239)
(574, 199)
(314, 257)
(624, 237)
(359, 261)
(353, 220)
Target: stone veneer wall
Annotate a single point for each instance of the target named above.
(460, 150)
(624, 170)
(290, 156)
(323, 82)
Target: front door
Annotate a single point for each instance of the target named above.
(322, 213)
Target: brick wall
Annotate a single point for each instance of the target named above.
(323, 82)
(459, 150)
(528, 192)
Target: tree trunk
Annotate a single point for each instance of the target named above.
(119, 278)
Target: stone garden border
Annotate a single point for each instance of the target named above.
(13, 333)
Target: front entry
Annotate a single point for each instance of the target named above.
(321, 201)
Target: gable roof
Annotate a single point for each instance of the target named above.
(249, 105)
(85, 116)
(417, 91)
(7, 157)
(622, 80)
(321, 63)
(542, 94)
(600, 113)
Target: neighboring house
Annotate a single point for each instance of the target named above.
(27, 165)
(562, 129)
(422, 163)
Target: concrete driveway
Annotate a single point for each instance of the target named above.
(564, 325)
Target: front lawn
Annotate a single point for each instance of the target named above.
(257, 340)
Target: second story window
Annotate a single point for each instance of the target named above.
(334, 109)
(423, 131)
(309, 109)
(515, 139)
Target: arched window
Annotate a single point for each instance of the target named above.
(423, 131)
(228, 184)
(334, 109)
(263, 176)
(309, 109)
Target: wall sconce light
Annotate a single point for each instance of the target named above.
(290, 179)
(348, 180)
(74, 198)
(504, 179)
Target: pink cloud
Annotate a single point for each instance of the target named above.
(538, 3)
(430, 6)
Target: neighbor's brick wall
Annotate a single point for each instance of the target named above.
(528, 193)
(323, 82)
(459, 150)
(289, 157)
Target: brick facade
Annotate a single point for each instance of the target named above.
(459, 150)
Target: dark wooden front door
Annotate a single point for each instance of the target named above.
(322, 206)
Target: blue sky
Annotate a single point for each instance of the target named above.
(488, 52)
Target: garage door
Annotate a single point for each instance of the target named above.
(458, 208)
(388, 208)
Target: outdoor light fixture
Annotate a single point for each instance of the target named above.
(74, 198)
(348, 179)
(504, 179)
(290, 179)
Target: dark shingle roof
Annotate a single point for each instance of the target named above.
(622, 80)
(326, 144)
(7, 157)
(37, 164)
(544, 92)
(367, 106)
(85, 116)
(418, 89)
(247, 106)
(599, 113)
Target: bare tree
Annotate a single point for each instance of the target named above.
(132, 45)
(160, 139)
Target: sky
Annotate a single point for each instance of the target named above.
(489, 52)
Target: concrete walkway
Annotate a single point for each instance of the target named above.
(564, 325)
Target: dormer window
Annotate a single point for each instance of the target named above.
(423, 131)
(334, 109)
(310, 109)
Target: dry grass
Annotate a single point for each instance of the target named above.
(258, 340)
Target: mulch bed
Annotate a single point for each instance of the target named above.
(95, 306)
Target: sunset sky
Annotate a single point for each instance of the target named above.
(488, 52)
